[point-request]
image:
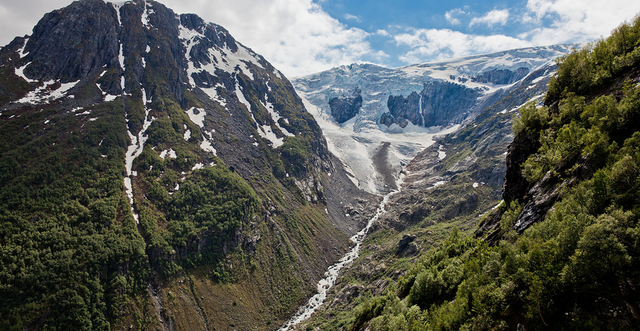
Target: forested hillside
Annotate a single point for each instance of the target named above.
(562, 251)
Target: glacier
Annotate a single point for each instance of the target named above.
(357, 141)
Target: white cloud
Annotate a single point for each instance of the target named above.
(17, 18)
(491, 18)
(438, 44)
(452, 16)
(576, 22)
(350, 17)
(296, 36)
(548, 21)
(383, 33)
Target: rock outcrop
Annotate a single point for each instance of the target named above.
(501, 76)
(438, 104)
(346, 108)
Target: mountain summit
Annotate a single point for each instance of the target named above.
(155, 171)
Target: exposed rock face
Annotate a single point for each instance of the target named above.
(515, 185)
(439, 103)
(403, 110)
(345, 108)
(406, 246)
(70, 43)
(543, 195)
(501, 76)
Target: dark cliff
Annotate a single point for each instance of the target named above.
(345, 108)
(439, 103)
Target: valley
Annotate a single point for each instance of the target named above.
(157, 174)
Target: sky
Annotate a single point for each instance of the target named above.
(300, 37)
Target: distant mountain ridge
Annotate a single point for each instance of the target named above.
(406, 106)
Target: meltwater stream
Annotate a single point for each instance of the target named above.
(332, 273)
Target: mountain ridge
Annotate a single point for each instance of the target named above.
(409, 106)
(155, 170)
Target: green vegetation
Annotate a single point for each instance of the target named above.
(579, 269)
(70, 254)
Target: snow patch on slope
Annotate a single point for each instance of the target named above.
(21, 50)
(133, 151)
(117, 6)
(20, 72)
(148, 10)
(196, 115)
(121, 57)
(212, 92)
(218, 58)
(264, 131)
(276, 117)
(45, 93)
(206, 144)
(170, 152)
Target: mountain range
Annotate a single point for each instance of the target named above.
(408, 106)
(155, 173)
